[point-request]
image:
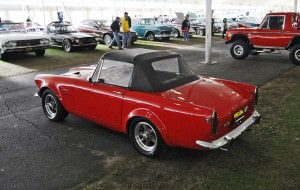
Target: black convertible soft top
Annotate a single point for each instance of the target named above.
(144, 77)
(139, 55)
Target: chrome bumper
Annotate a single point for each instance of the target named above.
(254, 118)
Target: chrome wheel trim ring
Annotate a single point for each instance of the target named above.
(238, 50)
(150, 37)
(107, 40)
(297, 55)
(50, 106)
(67, 45)
(145, 136)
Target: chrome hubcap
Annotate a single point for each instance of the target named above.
(67, 45)
(50, 106)
(297, 55)
(145, 136)
(107, 39)
(238, 50)
(150, 37)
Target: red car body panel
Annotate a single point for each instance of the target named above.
(179, 113)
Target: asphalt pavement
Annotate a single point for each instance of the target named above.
(36, 153)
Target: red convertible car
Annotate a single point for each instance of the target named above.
(154, 97)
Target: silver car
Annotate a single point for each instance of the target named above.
(15, 38)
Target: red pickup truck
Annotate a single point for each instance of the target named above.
(278, 31)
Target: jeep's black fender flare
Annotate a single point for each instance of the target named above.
(293, 42)
(236, 37)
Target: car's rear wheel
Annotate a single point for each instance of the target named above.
(150, 36)
(92, 47)
(52, 107)
(295, 55)
(239, 49)
(145, 137)
(3, 56)
(40, 52)
(67, 45)
(107, 38)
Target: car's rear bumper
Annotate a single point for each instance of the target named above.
(253, 119)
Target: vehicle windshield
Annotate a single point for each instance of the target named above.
(104, 23)
(217, 20)
(172, 72)
(147, 21)
(12, 27)
(65, 29)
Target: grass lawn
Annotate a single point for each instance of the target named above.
(268, 157)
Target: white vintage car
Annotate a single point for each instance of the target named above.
(14, 38)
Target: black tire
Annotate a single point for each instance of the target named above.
(92, 47)
(3, 56)
(295, 55)
(239, 49)
(67, 45)
(40, 52)
(150, 36)
(146, 138)
(201, 32)
(176, 33)
(107, 39)
(254, 53)
(166, 38)
(52, 107)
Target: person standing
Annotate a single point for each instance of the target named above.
(126, 24)
(225, 27)
(115, 27)
(185, 27)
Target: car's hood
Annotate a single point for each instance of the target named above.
(208, 93)
(250, 29)
(74, 35)
(21, 36)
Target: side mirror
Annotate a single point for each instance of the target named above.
(90, 80)
(101, 80)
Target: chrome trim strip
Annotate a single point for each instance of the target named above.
(222, 141)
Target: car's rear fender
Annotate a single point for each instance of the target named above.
(293, 42)
(143, 113)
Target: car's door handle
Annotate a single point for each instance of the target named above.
(118, 92)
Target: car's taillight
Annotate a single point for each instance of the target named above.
(214, 123)
(255, 96)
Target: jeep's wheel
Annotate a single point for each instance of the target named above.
(254, 52)
(52, 107)
(67, 45)
(150, 36)
(295, 55)
(145, 137)
(239, 50)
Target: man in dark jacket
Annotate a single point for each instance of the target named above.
(185, 27)
(115, 27)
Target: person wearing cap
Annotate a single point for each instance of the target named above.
(185, 27)
(115, 27)
(125, 28)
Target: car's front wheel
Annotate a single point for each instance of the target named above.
(295, 55)
(150, 36)
(67, 45)
(107, 38)
(145, 137)
(52, 107)
(239, 49)
(40, 53)
(176, 33)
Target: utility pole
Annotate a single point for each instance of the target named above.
(295, 5)
(208, 28)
